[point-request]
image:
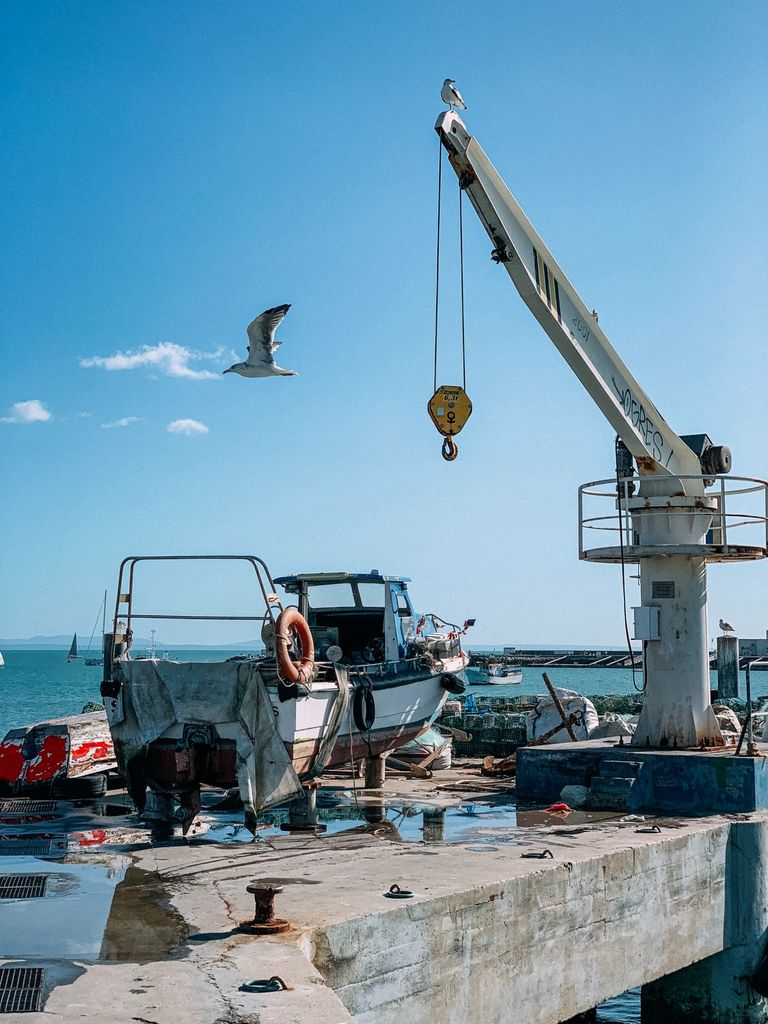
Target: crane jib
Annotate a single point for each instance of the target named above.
(580, 331)
(553, 300)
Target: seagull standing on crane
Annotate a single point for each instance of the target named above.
(262, 346)
(450, 94)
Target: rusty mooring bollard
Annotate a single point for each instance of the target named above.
(264, 922)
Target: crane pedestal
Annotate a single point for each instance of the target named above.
(672, 537)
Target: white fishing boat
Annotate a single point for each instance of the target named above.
(504, 674)
(493, 675)
(350, 672)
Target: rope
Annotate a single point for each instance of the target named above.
(461, 264)
(437, 255)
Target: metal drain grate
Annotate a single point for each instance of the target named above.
(21, 989)
(26, 806)
(25, 847)
(22, 887)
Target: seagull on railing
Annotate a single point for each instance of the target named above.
(450, 95)
(726, 626)
(262, 346)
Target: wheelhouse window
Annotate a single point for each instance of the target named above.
(350, 615)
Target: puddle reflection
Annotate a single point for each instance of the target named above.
(99, 908)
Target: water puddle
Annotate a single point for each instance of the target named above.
(113, 826)
(93, 909)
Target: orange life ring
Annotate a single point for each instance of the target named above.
(303, 670)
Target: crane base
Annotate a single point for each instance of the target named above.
(656, 781)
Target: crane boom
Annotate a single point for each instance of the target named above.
(555, 303)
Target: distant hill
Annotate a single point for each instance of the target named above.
(61, 643)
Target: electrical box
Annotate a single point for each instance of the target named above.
(646, 622)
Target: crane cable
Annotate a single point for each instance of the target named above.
(437, 257)
(437, 274)
(458, 405)
(461, 265)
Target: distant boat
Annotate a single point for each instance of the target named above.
(2, 659)
(73, 655)
(505, 674)
(493, 675)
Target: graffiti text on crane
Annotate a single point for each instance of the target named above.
(637, 416)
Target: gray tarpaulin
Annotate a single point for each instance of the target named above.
(158, 694)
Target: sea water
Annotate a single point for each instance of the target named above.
(39, 685)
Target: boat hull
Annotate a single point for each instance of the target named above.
(403, 708)
(62, 748)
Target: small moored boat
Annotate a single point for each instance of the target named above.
(493, 675)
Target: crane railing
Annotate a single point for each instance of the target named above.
(738, 505)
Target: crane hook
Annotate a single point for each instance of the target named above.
(450, 449)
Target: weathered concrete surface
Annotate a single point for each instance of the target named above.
(717, 988)
(486, 931)
(611, 911)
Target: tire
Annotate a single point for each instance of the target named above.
(83, 788)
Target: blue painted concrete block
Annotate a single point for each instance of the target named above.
(669, 781)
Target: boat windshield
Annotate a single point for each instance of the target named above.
(346, 595)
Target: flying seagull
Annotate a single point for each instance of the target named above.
(726, 626)
(450, 94)
(262, 346)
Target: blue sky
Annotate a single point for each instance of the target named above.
(172, 169)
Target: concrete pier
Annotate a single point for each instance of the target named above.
(718, 988)
(487, 928)
(727, 667)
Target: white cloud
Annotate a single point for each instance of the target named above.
(126, 421)
(167, 358)
(187, 427)
(82, 415)
(33, 411)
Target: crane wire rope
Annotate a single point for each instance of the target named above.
(638, 689)
(437, 274)
(437, 257)
(461, 266)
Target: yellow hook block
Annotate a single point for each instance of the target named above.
(449, 409)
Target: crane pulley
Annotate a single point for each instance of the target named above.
(449, 407)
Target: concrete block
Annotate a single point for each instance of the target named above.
(668, 781)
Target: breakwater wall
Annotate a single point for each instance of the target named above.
(497, 724)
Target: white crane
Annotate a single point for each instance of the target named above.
(671, 516)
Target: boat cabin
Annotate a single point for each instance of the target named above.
(369, 616)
